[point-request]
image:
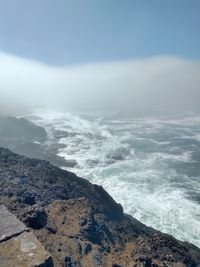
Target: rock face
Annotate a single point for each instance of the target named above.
(20, 129)
(79, 224)
(28, 139)
(18, 247)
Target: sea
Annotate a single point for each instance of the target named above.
(151, 165)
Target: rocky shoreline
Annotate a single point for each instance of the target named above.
(78, 223)
(74, 222)
(26, 138)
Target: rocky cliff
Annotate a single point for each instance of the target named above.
(26, 138)
(78, 223)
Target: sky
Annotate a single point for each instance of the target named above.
(142, 56)
(67, 32)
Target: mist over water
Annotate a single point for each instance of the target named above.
(149, 165)
(149, 86)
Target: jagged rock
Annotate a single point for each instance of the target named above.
(60, 134)
(77, 213)
(24, 250)
(35, 217)
(119, 154)
(9, 224)
(18, 247)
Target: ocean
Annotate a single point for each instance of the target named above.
(150, 165)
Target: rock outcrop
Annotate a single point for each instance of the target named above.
(26, 138)
(78, 223)
(18, 246)
(20, 129)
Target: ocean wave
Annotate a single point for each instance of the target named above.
(146, 164)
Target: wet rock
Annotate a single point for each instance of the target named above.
(70, 163)
(60, 134)
(119, 154)
(57, 160)
(93, 162)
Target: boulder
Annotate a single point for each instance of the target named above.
(9, 224)
(18, 247)
(24, 250)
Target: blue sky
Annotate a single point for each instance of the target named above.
(65, 32)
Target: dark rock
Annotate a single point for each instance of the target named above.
(68, 262)
(21, 129)
(146, 261)
(79, 248)
(87, 249)
(90, 231)
(60, 134)
(95, 228)
(82, 221)
(119, 154)
(29, 199)
(28, 139)
(70, 163)
(35, 217)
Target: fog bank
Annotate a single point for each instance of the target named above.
(154, 85)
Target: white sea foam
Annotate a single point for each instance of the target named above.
(134, 159)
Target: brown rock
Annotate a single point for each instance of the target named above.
(18, 247)
(24, 250)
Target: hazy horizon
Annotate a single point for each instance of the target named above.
(161, 84)
(137, 57)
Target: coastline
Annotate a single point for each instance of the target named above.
(80, 222)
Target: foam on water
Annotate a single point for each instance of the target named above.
(151, 166)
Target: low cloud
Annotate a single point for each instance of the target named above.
(154, 85)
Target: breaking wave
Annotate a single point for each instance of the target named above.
(150, 165)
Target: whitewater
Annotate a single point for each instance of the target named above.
(149, 165)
